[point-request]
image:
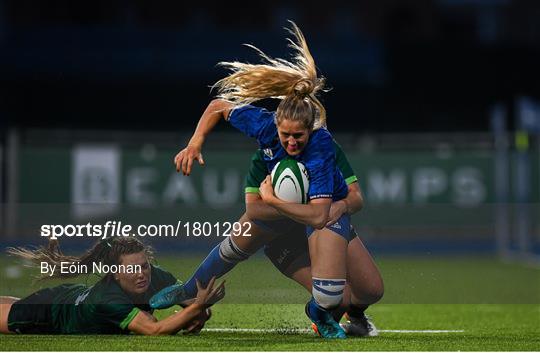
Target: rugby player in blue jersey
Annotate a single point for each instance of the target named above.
(286, 246)
(297, 129)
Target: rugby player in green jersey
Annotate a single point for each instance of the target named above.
(117, 304)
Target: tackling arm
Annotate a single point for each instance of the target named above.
(352, 203)
(354, 199)
(145, 323)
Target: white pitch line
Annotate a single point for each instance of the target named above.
(293, 331)
(258, 330)
(423, 331)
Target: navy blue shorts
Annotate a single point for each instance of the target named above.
(342, 227)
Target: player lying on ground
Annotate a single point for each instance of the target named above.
(296, 129)
(117, 304)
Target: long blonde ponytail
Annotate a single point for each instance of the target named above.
(295, 82)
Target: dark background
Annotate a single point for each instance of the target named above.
(394, 66)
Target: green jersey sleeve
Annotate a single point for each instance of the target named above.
(117, 314)
(256, 174)
(344, 166)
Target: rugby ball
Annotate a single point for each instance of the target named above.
(290, 181)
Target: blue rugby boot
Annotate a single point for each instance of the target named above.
(323, 322)
(169, 296)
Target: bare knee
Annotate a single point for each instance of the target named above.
(368, 293)
(376, 293)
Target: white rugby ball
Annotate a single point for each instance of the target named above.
(290, 181)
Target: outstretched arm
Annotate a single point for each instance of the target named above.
(145, 323)
(216, 110)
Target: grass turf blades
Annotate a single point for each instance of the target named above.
(486, 327)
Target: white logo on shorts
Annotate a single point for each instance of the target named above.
(336, 225)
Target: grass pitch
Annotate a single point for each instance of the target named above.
(450, 295)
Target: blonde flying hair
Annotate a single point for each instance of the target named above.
(294, 82)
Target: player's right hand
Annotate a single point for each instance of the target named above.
(184, 159)
(266, 190)
(209, 295)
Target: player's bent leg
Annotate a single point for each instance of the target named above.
(367, 288)
(363, 275)
(259, 236)
(219, 261)
(328, 268)
(300, 272)
(5, 307)
(289, 253)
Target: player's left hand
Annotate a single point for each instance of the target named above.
(337, 209)
(266, 190)
(209, 296)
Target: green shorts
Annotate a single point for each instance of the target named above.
(33, 314)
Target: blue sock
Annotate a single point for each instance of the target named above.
(212, 266)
